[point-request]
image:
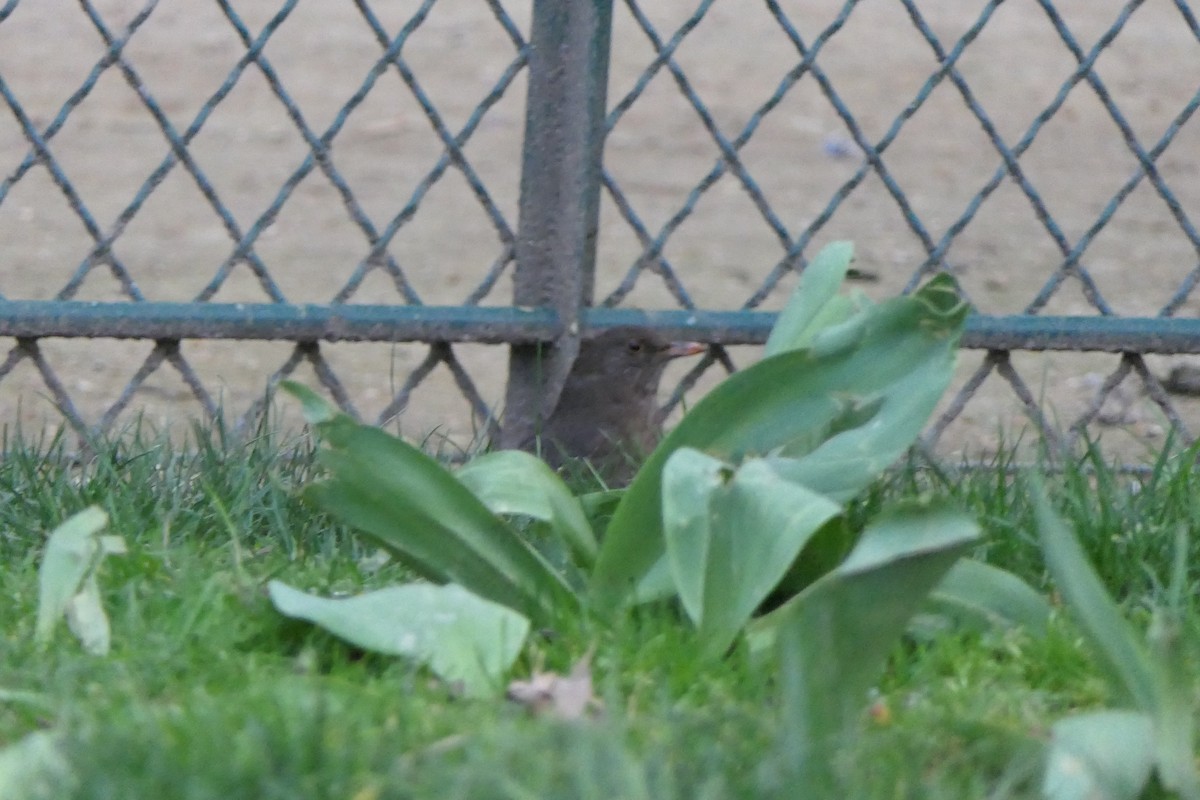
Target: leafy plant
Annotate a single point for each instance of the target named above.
(1111, 754)
(751, 483)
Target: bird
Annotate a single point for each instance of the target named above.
(607, 413)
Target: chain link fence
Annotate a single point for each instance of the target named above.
(202, 197)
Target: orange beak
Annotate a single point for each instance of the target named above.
(680, 349)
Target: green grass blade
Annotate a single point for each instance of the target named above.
(1175, 722)
(1124, 661)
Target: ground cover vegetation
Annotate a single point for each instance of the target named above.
(773, 608)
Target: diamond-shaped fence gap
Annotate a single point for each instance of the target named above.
(26, 402)
(722, 250)
(320, 54)
(111, 123)
(1076, 181)
(1036, 63)
(1070, 297)
(372, 372)
(42, 84)
(234, 374)
(886, 247)
(165, 393)
(1089, 21)
(181, 55)
(1107, 399)
(95, 373)
(800, 153)
(1004, 256)
(377, 285)
(884, 31)
(983, 413)
(43, 239)
(385, 150)
(716, 63)
(312, 245)
(1141, 257)
(1148, 88)
(239, 285)
(658, 151)
(429, 406)
(456, 55)
(448, 245)
(940, 159)
(169, 247)
(248, 148)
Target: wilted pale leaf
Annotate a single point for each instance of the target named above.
(467, 641)
(87, 620)
(35, 767)
(67, 579)
(1103, 755)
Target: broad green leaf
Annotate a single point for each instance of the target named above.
(689, 480)
(901, 357)
(73, 552)
(815, 304)
(1124, 661)
(465, 640)
(416, 509)
(1102, 755)
(981, 596)
(730, 542)
(518, 483)
(834, 637)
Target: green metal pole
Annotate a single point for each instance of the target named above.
(560, 197)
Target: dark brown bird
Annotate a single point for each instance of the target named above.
(608, 410)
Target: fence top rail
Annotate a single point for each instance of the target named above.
(503, 324)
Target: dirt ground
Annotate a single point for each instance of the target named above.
(799, 157)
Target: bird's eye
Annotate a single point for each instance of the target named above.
(634, 346)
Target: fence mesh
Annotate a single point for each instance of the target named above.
(208, 152)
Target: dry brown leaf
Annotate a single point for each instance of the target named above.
(563, 697)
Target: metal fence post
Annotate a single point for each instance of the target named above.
(560, 196)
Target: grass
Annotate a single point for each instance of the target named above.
(209, 693)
